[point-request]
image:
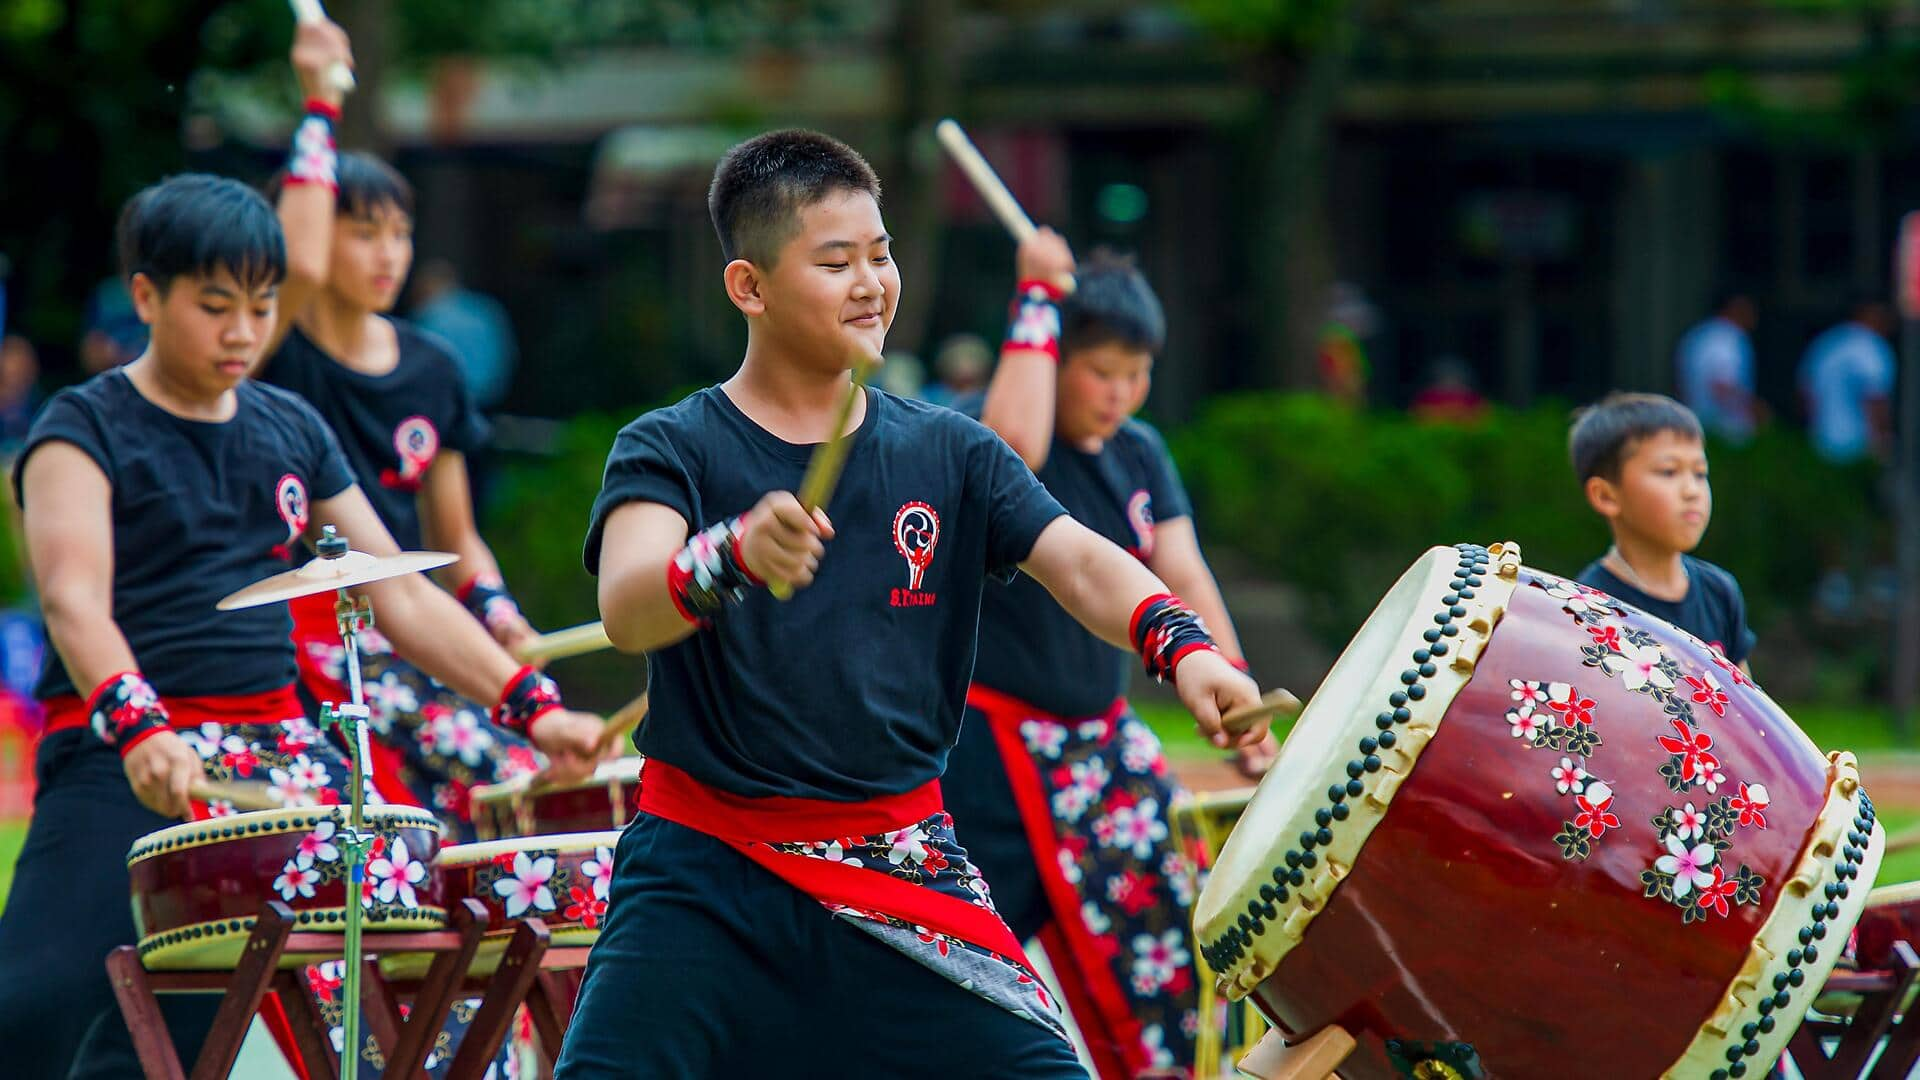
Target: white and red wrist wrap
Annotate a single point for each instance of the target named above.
(1033, 321)
(486, 596)
(313, 160)
(710, 572)
(529, 695)
(125, 711)
(1164, 630)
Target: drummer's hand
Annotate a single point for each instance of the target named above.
(1045, 256)
(512, 631)
(568, 739)
(1254, 761)
(1210, 687)
(784, 542)
(162, 769)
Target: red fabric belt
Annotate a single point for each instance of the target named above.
(750, 825)
(1006, 706)
(267, 707)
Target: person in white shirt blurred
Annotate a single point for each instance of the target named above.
(1846, 382)
(1714, 369)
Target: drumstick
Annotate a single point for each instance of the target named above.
(620, 724)
(1272, 702)
(573, 641)
(310, 11)
(823, 471)
(985, 180)
(243, 796)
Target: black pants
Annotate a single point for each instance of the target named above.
(710, 966)
(68, 908)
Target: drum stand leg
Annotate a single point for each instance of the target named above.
(507, 990)
(1315, 1059)
(551, 1004)
(1864, 1030)
(437, 993)
(309, 1028)
(259, 960)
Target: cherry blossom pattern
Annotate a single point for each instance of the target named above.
(1587, 605)
(527, 887)
(1693, 871)
(1558, 717)
(395, 874)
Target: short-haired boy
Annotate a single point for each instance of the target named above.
(1643, 466)
(791, 899)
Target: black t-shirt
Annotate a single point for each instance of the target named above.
(854, 688)
(391, 426)
(199, 510)
(1714, 610)
(1029, 646)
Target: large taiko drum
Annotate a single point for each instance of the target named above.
(1526, 831)
(198, 887)
(562, 880)
(1892, 914)
(523, 807)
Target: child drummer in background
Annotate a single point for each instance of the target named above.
(791, 899)
(395, 398)
(1061, 794)
(148, 493)
(1643, 467)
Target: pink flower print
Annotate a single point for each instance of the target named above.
(1695, 750)
(1638, 666)
(1719, 658)
(326, 979)
(599, 871)
(1607, 636)
(1043, 738)
(1690, 866)
(317, 846)
(1069, 866)
(206, 741)
(1713, 778)
(1153, 1046)
(1139, 828)
(1714, 895)
(1566, 701)
(286, 789)
(527, 888)
(1752, 803)
(1525, 725)
(1579, 600)
(295, 880)
(220, 808)
(907, 845)
(586, 908)
(309, 773)
(1688, 823)
(395, 874)
(1595, 805)
(1706, 691)
(1568, 778)
(1157, 958)
(1528, 695)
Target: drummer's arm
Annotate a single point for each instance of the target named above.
(69, 533)
(446, 519)
(636, 607)
(431, 629)
(1177, 561)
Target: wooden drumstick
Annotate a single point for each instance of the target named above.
(823, 470)
(620, 724)
(1272, 702)
(573, 641)
(985, 180)
(310, 11)
(243, 796)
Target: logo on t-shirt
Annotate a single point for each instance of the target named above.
(1140, 516)
(916, 531)
(416, 441)
(290, 499)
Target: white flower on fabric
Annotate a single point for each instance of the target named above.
(1095, 919)
(309, 773)
(1688, 823)
(1042, 738)
(1035, 324)
(1091, 730)
(599, 870)
(205, 740)
(1137, 828)
(287, 790)
(396, 873)
(1156, 960)
(1689, 866)
(1140, 750)
(1153, 1044)
(908, 844)
(1524, 724)
(1069, 866)
(1638, 666)
(1526, 694)
(1178, 871)
(317, 846)
(527, 888)
(295, 880)
(1569, 778)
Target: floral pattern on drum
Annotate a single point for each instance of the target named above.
(1691, 870)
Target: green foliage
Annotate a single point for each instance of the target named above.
(1338, 502)
(1296, 26)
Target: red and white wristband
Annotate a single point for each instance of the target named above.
(486, 596)
(1164, 631)
(710, 572)
(1033, 322)
(529, 695)
(313, 159)
(125, 711)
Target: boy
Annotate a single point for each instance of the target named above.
(1062, 794)
(1643, 467)
(795, 748)
(148, 493)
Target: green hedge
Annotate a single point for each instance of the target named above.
(1338, 502)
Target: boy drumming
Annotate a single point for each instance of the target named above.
(394, 397)
(148, 493)
(1061, 793)
(794, 756)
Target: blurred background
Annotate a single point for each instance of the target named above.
(1398, 242)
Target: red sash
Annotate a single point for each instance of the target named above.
(267, 707)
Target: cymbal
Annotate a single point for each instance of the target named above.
(325, 575)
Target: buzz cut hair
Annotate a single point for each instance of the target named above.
(1603, 435)
(761, 186)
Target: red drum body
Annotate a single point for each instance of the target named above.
(198, 887)
(608, 801)
(1892, 914)
(1526, 831)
